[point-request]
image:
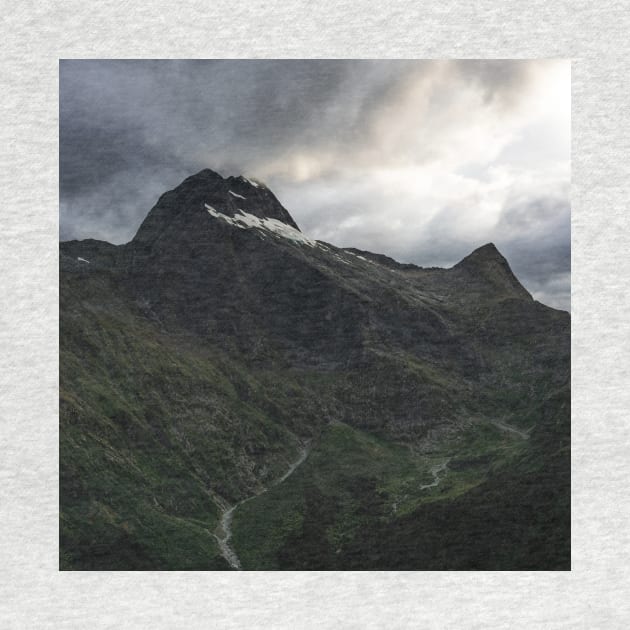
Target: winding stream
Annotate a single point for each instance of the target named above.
(223, 532)
(436, 471)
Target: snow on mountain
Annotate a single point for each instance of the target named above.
(246, 220)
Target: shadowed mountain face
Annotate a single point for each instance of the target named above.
(198, 357)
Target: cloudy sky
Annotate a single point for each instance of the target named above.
(420, 160)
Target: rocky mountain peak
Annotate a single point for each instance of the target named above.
(486, 252)
(486, 264)
(184, 208)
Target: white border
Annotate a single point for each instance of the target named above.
(33, 594)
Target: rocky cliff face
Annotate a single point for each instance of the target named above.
(220, 268)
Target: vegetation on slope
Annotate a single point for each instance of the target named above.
(155, 433)
(158, 433)
(355, 487)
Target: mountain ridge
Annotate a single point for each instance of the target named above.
(207, 187)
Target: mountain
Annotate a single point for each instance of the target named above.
(423, 413)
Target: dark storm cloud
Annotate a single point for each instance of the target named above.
(122, 121)
(119, 119)
(357, 151)
(537, 241)
(231, 112)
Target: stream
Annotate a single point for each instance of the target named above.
(436, 471)
(223, 532)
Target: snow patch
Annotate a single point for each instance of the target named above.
(236, 194)
(340, 259)
(361, 258)
(219, 215)
(251, 181)
(83, 260)
(245, 220)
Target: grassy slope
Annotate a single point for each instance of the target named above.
(517, 519)
(353, 482)
(154, 426)
(150, 427)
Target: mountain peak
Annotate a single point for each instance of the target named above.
(206, 173)
(486, 252)
(208, 177)
(485, 255)
(486, 264)
(184, 207)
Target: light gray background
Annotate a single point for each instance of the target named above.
(33, 594)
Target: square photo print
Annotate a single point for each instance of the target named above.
(314, 315)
